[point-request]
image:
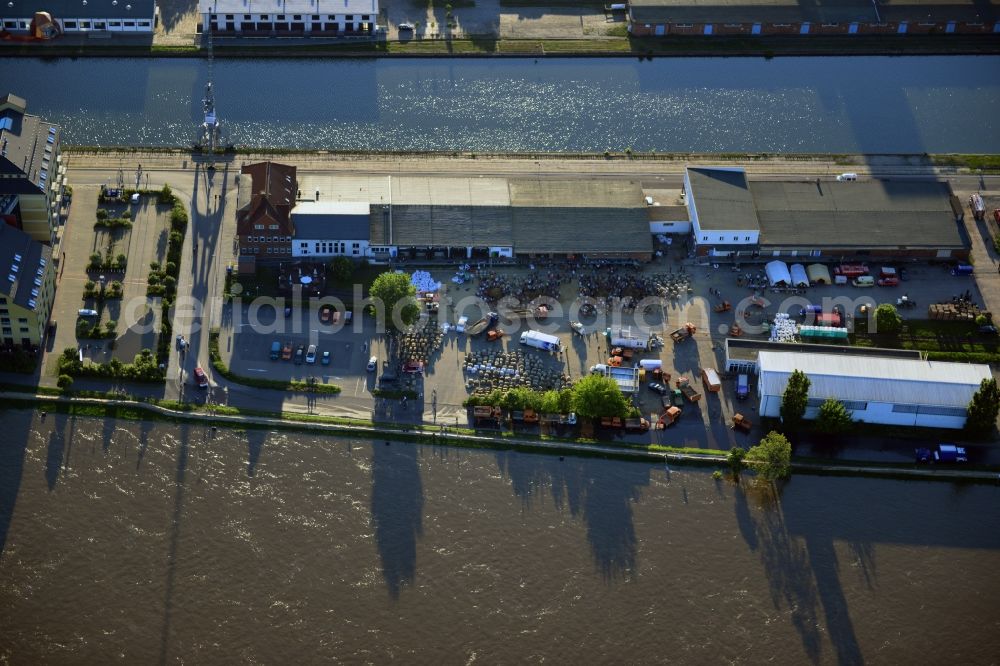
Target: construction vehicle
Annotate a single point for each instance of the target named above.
(905, 302)
(724, 306)
(851, 270)
(710, 378)
(735, 331)
(742, 423)
(486, 413)
(689, 391)
(537, 312)
(669, 417)
(614, 362)
(612, 422)
(636, 425)
(683, 333)
(480, 326)
(624, 352)
(494, 334)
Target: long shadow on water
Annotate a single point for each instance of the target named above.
(183, 450)
(602, 492)
(397, 512)
(57, 455)
(17, 425)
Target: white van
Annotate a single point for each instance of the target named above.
(372, 364)
(863, 281)
(844, 177)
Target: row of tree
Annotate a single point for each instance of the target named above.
(593, 397)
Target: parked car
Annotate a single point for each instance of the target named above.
(299, 354)
(181, 342)
(286, 352)
(405, 25)
(657, 388)
(742, 387)
(288, 312)
(988, 329)
(414, 368)
(275, 350)
(372, 364)
(325, 314)
(888, 282)
(87, 312)
(200, 378)
(846, 177)
(325, 358)
(311, 355)
(947, 453)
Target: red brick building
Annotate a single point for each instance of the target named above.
(824, 17)
(264, 228)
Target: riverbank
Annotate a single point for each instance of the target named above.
(515, 162)
(465, 438)
(490, 46)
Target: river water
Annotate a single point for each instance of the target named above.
(138, 543)
(850, 104)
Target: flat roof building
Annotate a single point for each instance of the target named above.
(289, 18)
(27, 288)
(732, 216)
(77, 16)
(895, 391)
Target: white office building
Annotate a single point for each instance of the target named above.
(331, 229)
(894, 391)
(289, 18)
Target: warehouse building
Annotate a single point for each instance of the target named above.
(893, 391)
(734, 217)
(47, 19)
(663, 18)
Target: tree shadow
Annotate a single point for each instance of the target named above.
(57, 456)
(602, 492)
(397, 512)
(787, 564)
(255, 445)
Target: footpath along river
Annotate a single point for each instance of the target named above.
(150, 543)
(836, 105)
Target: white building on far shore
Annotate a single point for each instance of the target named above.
(289, 18)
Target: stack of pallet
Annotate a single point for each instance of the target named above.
(959, 311)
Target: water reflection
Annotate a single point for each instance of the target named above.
(601, 492)
(397, 512)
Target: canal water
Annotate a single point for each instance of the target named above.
(850, 104)
(151, 544)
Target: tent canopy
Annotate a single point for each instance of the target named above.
(777, 273)
(799, 277)
(819, 274)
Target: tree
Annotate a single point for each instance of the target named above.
(595, 396)
(165, 195)
(833, 417)
(772, 458)
(983, 408)
(65, 382)
(396, 295)
(341, 269)
(795, 399)
(550, 402)
(887, 319)
(735, 460)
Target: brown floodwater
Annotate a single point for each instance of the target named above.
(152, 543)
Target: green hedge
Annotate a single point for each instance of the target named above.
(394, 394)
(278, 384)
(142, 369)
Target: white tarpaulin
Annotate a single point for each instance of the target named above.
(777, 273)
(819, 274)
(799, 277)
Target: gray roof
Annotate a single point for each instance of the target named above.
(76, 9)
(821, 11)
(528, 229)
(581, 230)
(28, 146)
(575, 193)
(331, 221)
(14, 243)
(443, 226)
(722, 199)
(863, 214)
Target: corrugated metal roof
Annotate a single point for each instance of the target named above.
(887, 380)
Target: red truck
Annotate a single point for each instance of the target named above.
(829, 319)
(851, 270)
